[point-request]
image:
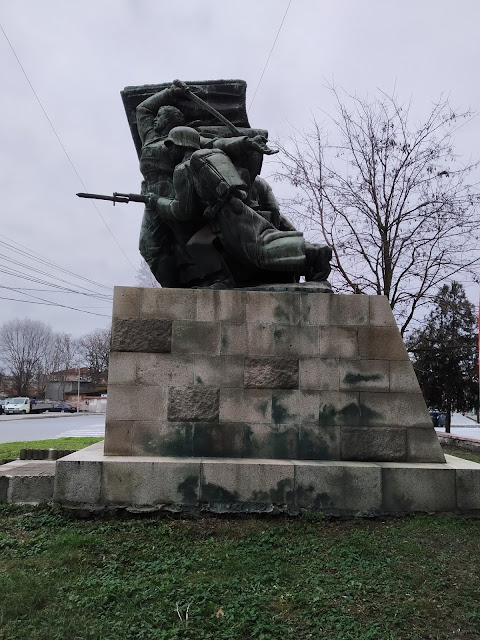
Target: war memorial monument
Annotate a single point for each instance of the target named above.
(244, 384)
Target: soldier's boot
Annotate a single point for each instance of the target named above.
(318, 262)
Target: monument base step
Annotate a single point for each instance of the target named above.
(90, 481)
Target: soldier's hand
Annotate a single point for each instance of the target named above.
(151, 201)
(258, 144)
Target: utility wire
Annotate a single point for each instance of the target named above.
(29, 253)
(271, 50)
(53, 304)
(63, 147)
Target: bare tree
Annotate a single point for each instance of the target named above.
(24, 345)
(94, 350)
(398, 208)
(60, 358)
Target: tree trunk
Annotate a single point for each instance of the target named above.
(448, 417)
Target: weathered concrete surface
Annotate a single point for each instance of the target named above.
(89, 480)
(27, 481)
(274, 374)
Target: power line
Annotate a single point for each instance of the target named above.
(53, 304)
(271, 50)
(29, 253)
(63, 147)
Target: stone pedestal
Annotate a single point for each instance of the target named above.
(255, 374)
(260, 400)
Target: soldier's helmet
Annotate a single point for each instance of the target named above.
(183, 137)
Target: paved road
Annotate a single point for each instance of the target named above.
(51, 425)
(463, 426)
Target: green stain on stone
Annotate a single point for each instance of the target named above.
(189, 489)
(215, 493)
(367, 414)
(262, 407)
(327, 414)
(312, 448)
(280, 414)
(280, 314)
(198, 380)
(355, 378)
(282, 444)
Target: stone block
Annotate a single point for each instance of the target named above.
(381, 314)
(393, 409)
(219, 371)
(31, 489)
(272, 307)
(164, 369)
(339, 408)
(338, 342)
(361, 375)
(467, 484)
(126, 302)
(218, 440)
(160, 438)
(261, 482)
(191, 337)
(318, 443)
(193, 404)
(233, 339)
(295, 340)
(4, 484)
(78, 480)
(169, 304)
(373, 445)
(141, 334)
(315, 308)
(338, 487)
(245, 405)
(381, 343)
(259, 337)
(271, 373)
(353, 310)
(320, 374)
(135, 402)
(403, 378)
(151, 481)
(122, 367)
(423, 445)
(215, 306)
(118, 438)
(295, 407)
(271, 441)
(420, 487)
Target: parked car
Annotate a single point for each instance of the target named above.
(64, 407)
(24, 404)
(4, 402)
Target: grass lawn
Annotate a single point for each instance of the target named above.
(12, 449)
(226, 578)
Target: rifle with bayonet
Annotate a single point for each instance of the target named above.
(117, 197)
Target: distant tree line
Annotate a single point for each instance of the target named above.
(30, 352)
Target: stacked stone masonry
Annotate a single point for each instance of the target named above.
(255, 374)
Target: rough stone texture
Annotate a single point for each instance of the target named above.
(88, 480)
(163, 481)
(361, 375)
(196, 404)
(420, 487)
(192, 337)
(271, 373)
(78, 477)
(138, 334)
(119, 438)
(352, 487)
(251, 481)
(373, 444)
(267, 441)
(263, 373)
(27, 482)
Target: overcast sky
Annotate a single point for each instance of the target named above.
(78, 55)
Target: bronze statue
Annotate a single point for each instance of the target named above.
(210, 220)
